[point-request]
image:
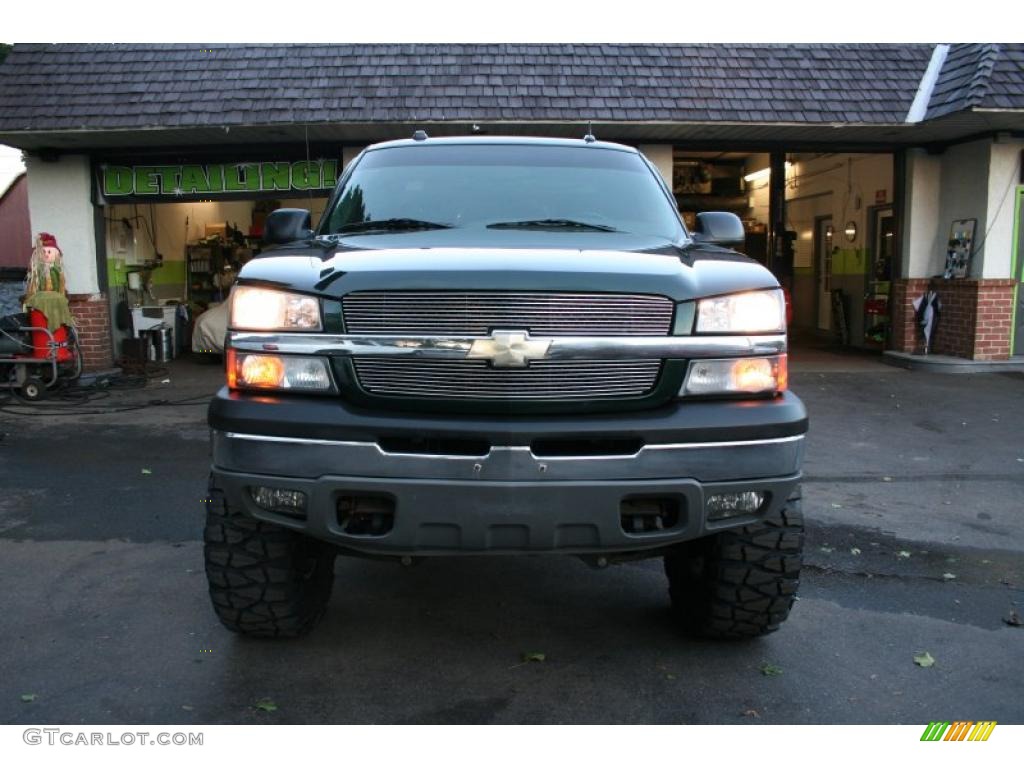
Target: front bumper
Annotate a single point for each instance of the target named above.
(505, 499)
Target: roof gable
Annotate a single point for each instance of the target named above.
(979, 76)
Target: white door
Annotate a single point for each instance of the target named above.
(823, 240)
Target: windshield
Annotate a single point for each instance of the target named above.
(502, 187)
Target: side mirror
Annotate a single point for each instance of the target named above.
(719, 228)
(286, 225)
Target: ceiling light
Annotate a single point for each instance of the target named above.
(764, 173)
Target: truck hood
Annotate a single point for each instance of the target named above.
(679, 273)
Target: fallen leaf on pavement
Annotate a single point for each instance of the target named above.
(923, 659)
(266, 705)
(534, 657)
(770, 670)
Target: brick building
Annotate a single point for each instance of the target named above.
(866, 174)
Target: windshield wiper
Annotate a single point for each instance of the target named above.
(551, 224)
(389, 225)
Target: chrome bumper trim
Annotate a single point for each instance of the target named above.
(560, 348)
(310, 458)
(526, 448)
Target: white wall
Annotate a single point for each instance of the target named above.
(800, 215)
(1003, 179)
(921, 215)
(963, 195)
(661, 156)
(853, 181)
(59, 202)
(968, 181)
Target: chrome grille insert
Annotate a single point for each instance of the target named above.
(480, 312)
(477, 380)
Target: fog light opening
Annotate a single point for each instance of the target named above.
(281, 500)
(721, 506)
(366, 514)
(640, 515)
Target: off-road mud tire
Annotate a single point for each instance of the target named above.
(741, 583)
(265, 580)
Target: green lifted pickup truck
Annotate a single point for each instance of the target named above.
(505, 346)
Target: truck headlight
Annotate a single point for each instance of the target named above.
(741, 375)
(264, 309)
(751, 312)
(286, 372)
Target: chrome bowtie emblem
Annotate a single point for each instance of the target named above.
(509, 349)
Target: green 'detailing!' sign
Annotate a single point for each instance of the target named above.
(174, 181)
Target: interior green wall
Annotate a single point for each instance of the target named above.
(170, 273)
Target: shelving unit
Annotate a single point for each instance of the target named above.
(202, 263)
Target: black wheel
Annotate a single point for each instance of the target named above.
(33, 389)
(265, 581)
(740, 583)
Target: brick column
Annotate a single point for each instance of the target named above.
(92, 323)
(905, 334)
(993, 317)
(974, 321)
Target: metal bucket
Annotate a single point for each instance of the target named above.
(167, 351)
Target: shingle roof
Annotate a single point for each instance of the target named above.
(979, 75)
(1006, 85)
(130, 86)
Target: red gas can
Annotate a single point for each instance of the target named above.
(41, 342)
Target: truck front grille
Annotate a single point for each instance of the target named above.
(477, 313)
(477, 380)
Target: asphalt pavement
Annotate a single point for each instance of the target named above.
(913, 495)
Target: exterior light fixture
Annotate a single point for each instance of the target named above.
(850, 231)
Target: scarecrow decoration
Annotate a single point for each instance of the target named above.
(45, 289)
(46, 268)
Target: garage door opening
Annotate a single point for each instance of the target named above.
(176, 237)
(833, 241)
